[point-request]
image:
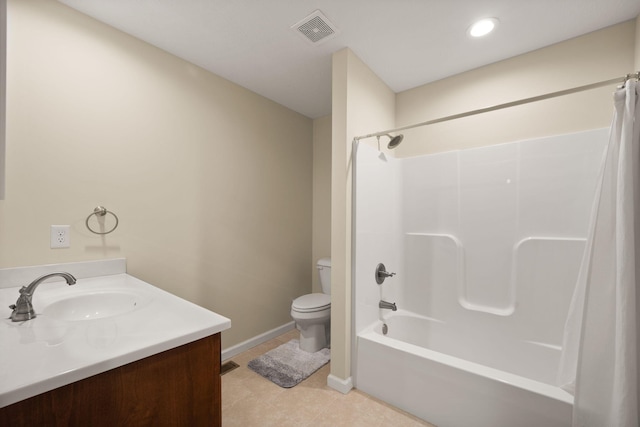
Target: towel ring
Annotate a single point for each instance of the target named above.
(101, 211)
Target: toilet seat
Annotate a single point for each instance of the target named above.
(311, 303)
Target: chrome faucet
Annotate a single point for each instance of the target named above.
(390, 305)
(23, 308)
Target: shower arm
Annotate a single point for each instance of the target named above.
(618, 80)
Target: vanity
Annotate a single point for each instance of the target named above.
(109, 350)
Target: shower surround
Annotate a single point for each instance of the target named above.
(486, 244)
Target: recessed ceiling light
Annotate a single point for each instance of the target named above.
(483, 27)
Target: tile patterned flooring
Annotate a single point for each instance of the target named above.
(251, 400)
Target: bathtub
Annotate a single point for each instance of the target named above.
(431, 369)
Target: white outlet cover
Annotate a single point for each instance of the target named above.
(60, 236)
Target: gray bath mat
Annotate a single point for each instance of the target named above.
(287, 365)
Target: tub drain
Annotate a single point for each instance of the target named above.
(385, 329)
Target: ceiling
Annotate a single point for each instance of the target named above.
(407, 43)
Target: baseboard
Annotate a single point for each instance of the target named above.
(343, 386)
(228, 353)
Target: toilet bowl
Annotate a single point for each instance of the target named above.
(312, 312)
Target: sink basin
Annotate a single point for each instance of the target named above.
(95, 305)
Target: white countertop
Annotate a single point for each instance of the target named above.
(45, 353)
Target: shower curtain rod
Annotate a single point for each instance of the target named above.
(620, 80)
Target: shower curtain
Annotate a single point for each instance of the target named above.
(599, 363)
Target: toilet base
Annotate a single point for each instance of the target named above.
(313, 337)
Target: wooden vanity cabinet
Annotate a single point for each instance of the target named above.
(178, 387)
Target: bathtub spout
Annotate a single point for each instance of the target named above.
(390, 305)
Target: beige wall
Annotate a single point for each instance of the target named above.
(594, 57)
(321, 195)
(361, 101)
(212, 183)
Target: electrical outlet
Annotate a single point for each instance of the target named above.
(60, 237)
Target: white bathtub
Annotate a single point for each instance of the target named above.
(432, 370)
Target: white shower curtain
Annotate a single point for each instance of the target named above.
(599, 363)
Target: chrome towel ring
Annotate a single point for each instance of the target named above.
(101, 211)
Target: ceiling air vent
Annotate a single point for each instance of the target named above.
(316, 28)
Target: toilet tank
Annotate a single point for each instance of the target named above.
(324, 270)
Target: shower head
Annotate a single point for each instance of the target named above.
(395, 141)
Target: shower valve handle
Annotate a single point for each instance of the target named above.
(382, 273)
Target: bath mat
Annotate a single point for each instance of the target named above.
(287, 365)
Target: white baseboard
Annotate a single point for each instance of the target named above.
(343, 386)
(228, 353)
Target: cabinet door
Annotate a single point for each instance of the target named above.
(178, 387)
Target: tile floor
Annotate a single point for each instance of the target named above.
(251, 400)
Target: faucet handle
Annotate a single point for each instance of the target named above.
(382, 273)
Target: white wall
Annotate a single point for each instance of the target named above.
(3, 91)
(378, 233)
(636, 68)
(484, 241)
(212, 183)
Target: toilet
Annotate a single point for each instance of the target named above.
(312, 312)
